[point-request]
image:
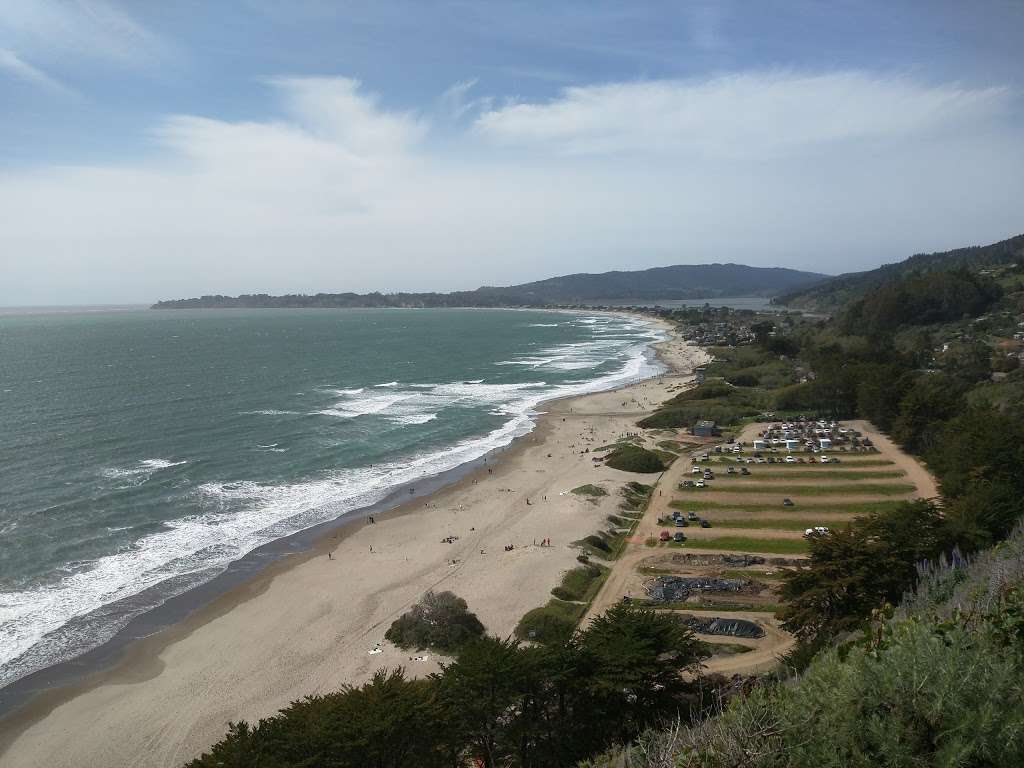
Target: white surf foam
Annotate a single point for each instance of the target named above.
(414, 418)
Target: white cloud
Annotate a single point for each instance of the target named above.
(740, 114)
(334, 109)
(93, 28)
(12, 63)
(342, 194)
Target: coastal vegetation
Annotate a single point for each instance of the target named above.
(908, 614)
(933, 682)
(715, 400)
(632, 458)
(498, 703)
(440, 620)
(593, 491)
(581, 584)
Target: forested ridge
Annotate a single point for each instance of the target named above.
(828, 295)
(698, 281)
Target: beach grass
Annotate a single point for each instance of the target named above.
(581, 584)
(591, 490)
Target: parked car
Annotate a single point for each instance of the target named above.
(700, 484)
(787, 503)
(679, 536)
(731, 471)
(744, 471)
(695, 471)
(791, 460)
(818, 530)
(704, 523)
(686, 484)
(664, 536)
(692, 516)
(680, 523)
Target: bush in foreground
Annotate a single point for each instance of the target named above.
(498, 704)
(441, 621)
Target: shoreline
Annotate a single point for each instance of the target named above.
(180, 607)
(141, 660)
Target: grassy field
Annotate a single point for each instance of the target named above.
(748, 544)
(768, 523)
(813, 474)
(858, 489)
(856, 508)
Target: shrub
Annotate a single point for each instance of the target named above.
(440, 621)
(550, 624)
(630, 458)
(590, 490)
(580, 584)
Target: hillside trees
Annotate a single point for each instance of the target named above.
(855, 570)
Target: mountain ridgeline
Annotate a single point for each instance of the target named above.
(701, 281)
(831, 294)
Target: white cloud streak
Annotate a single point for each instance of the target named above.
(91, 28)
(13, 64)
(826, 172)
(739, 114)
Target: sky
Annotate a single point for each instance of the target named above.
(153, 150)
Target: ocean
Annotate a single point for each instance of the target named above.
(143, 452)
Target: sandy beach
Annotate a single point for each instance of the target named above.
(307, 624)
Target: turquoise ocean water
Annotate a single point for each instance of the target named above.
(142, 452)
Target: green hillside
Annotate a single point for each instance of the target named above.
(831, 294)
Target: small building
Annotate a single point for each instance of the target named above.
(825, 443)
(759, 445)
(700, 374)
(704, 429)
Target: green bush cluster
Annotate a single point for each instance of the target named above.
(440, 620)
(631, 458)
(580, 584)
